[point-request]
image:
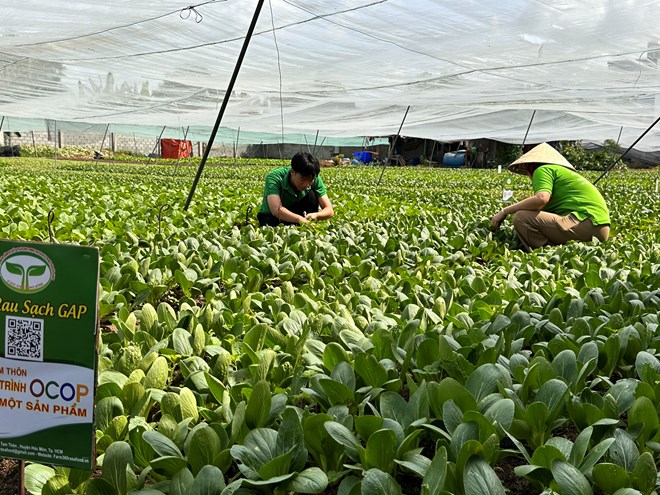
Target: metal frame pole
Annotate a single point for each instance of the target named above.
(156, 145)
(626, 152)
(178, 158)
(103, 140)
(238, 136)
(389, 154)
(432, 152)
(225, 101)
(320, 146)
(315, 141)
(527, 132)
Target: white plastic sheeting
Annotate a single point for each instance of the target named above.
(469, 69)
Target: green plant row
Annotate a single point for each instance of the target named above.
(401, 347)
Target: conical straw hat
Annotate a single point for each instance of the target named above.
(543, 154)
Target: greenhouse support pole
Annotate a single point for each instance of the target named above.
(527, 131)
(2, 122)
(225, 100)
(432, 152)
(34, 144)
(389, 154)
(178, 158)
(254, 152)
(316, 139)
(156, 145)
(238, 136)
(55, 146)
(320, 145)
(626, 152)
(104, 136)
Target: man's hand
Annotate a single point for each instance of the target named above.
(311, 216)
(497, 219)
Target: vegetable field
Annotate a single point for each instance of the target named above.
(401, 347)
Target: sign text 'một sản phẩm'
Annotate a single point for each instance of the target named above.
(48, 336)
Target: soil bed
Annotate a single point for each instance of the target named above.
(9, 477)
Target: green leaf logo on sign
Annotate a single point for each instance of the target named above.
(26, 270)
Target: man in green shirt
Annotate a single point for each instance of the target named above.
(295, 194)
(565, 206)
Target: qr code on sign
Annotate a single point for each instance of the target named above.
(24, 338)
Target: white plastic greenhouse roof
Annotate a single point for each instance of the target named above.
(469, 69)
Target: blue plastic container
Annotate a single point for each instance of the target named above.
(363, 156)
(454, 159)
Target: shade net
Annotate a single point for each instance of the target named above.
(342, 68)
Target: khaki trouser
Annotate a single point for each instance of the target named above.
(541, 228)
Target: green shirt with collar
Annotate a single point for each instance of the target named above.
(277, 182)
(570, 193)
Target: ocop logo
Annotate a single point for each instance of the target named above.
(26, 270)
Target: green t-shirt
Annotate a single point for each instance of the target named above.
(277, 182)
(570, 193)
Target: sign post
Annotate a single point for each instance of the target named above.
(48, 335)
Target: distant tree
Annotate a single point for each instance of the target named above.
(591, 160)
(507, 153)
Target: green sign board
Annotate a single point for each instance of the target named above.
(48, 332)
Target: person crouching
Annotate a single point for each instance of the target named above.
(565, 206)
(295, 194)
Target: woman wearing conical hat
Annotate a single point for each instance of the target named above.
(565, 206)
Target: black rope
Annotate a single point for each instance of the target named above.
(51, 219)
(228, 40)
(162, 208)
(279, 72)
(141, 21)
(247, 215)
(189, 10)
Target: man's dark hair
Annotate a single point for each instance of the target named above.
(305, 164)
